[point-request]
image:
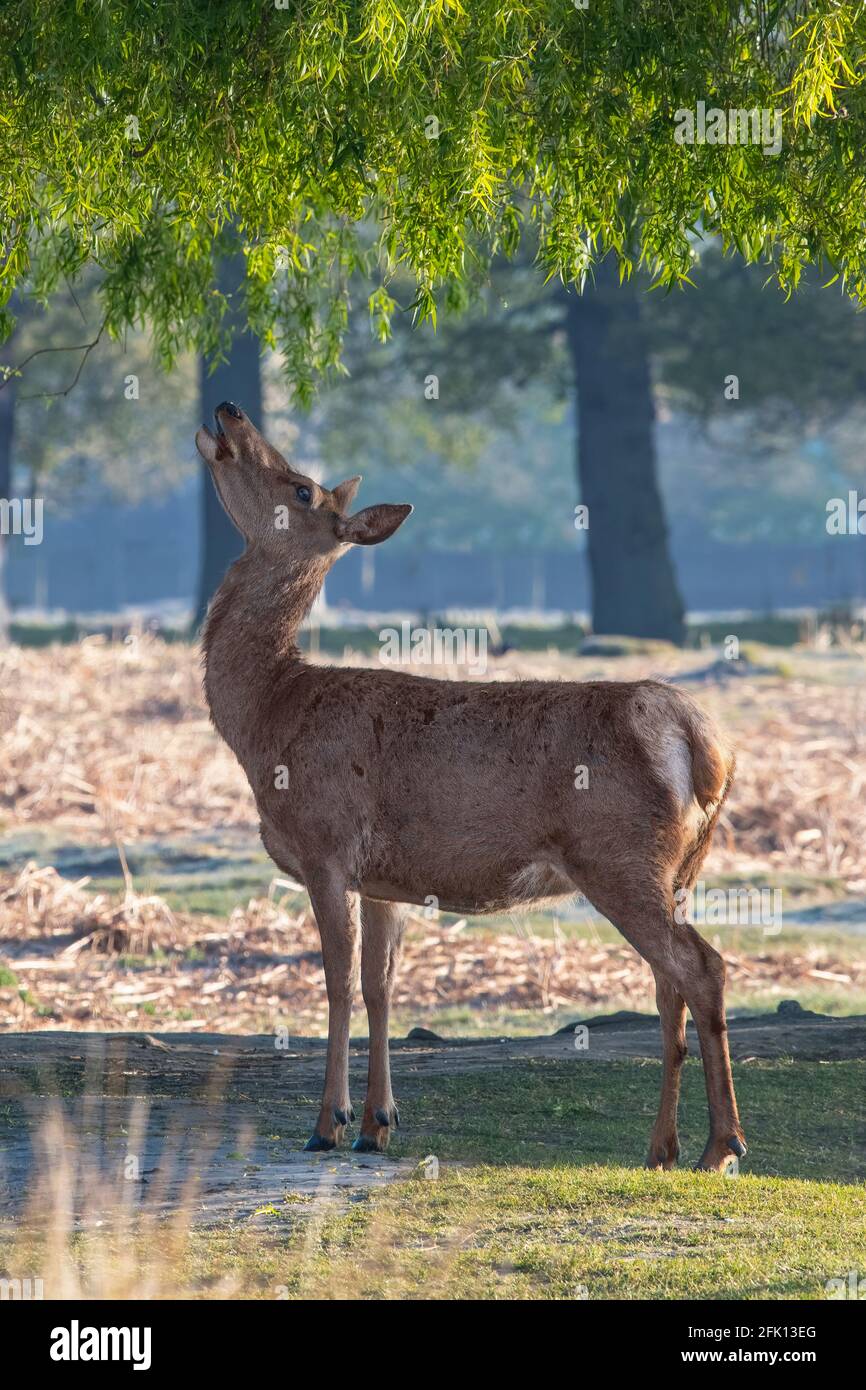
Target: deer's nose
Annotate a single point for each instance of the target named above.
(231, 409)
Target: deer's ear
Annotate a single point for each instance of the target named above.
(344, 493)
(373, 524)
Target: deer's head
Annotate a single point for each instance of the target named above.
(277, 509)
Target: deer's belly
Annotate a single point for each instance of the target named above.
(534, 881)
(470, 882)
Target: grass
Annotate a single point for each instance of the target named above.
(533, 1200)
(488, 1021)
(770, 629)
(802, 1119)
(540, 1195)
(218, 893)
(562, 1233)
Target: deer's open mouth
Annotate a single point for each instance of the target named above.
(220, 438)
(219, 431)
(226, 439)
(227, 416)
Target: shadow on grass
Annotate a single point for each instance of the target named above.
(802, 1119)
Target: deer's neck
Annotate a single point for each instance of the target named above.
(251, 646)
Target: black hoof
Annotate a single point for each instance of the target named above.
(737, 1146)
(365, 1145)
(382, 1117)
(317, 1143)
(341, 1118)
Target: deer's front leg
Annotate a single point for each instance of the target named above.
(382, 928)
(339, 921)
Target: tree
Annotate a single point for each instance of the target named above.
(81, 415)
(97, 415)
(794, 405)
(335, 139)
(633, 582)
(135, 135)
(732, 344)
(594, 347)
(776, 387)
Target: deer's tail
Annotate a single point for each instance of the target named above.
(713, 768)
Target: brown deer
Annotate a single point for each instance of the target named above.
(378, 788)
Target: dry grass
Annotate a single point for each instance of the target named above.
(262, 969)
(104, 738)
(110, 743)
(85, 1228)
(113, 739)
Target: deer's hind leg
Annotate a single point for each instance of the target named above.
(382, 933)
(691, 970)
(664, 1149)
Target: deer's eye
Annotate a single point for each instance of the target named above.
(304, 494)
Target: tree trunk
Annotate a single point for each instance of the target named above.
(7, 431)
(634, 587)
(238, 379)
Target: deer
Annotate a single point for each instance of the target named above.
(379, 789)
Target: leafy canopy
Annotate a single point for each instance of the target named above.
(333, 137)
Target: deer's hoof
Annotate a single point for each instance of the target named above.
(317, 1143)
(376, 1127)
(367, 1144)
(720, 1154)
(663, 1157)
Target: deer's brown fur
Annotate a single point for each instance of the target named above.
(401, 788)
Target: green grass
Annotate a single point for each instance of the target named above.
(802, 1119)
(467, 1021)
(534, 1201)
(768, 629)
(541, 1195)
(45, 634)
(567, 1233)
